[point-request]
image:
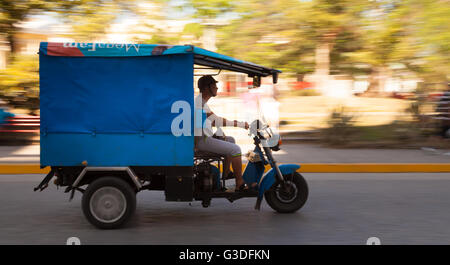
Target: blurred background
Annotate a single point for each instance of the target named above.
(356, 73)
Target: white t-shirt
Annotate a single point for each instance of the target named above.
(199, 106)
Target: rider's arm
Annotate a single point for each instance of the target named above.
(225, 123)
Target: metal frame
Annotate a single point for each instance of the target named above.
(220, 70)
(128, 170)
(249, 69)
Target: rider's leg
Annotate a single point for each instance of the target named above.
(226, 166)
(236, 162)
(237, 170)
(210, 144)
(227, 160)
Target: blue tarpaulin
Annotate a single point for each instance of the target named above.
(114, 111)
(113, 95)
(111, 104)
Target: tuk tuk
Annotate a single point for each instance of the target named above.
(107, 130)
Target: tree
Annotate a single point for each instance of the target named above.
(19, 83)
(428, 39)
(14, 11)
(207, 13)
(211, 9)
(89, 18)
(269, 33)
(295, 36)
(409, 34)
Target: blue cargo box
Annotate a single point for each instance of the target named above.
(111, 105)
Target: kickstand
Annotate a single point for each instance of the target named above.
(72, 194)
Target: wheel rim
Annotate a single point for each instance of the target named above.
(108, 204)
(287, 197)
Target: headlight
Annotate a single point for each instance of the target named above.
(276, 147)
(275, 142)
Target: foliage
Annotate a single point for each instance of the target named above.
(421, 130)
(19, 83)
(379, 38)
(272, 34)
(88, 18)
(304, 93)
(341, 127)
(210, 9)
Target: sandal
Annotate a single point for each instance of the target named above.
(244, 188)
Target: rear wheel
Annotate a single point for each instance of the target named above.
(291, 199)
(108, 202)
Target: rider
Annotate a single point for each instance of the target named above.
(219, 145)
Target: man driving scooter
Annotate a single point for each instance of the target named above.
(216, 144)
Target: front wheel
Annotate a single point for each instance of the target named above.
(290, 200)
(108, 202)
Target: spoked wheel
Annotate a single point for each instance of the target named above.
(288, 199)
(108, 202)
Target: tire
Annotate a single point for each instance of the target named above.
(292, 202)
(108, 202)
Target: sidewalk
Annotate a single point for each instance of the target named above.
(20, 154)
(289, 153)
(314, 153)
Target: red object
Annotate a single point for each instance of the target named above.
(21, 124)
(20, 131)
(58, 49)
(301, 85)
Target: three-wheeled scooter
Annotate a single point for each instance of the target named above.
(108, 117)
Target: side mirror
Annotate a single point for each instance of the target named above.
(275, 77)
(256, 81)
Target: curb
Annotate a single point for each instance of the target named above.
(9, 169)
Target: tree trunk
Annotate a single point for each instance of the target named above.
(377, 81)
(322, 59)
(209, 38)
(11, 42)
(373, 87)
(322, 68)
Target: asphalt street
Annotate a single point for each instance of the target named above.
(342, 209)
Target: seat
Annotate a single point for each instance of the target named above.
(207, 155)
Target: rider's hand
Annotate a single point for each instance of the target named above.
(246, 125)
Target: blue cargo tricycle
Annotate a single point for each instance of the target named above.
(108, 117)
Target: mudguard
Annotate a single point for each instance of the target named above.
(253, 172)
(268, 179)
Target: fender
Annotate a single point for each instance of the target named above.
(128, 170)
(268, 179)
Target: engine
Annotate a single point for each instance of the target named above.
(206, 177)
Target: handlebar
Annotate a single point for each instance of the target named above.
(260, 130)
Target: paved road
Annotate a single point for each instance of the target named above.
(342, 209)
